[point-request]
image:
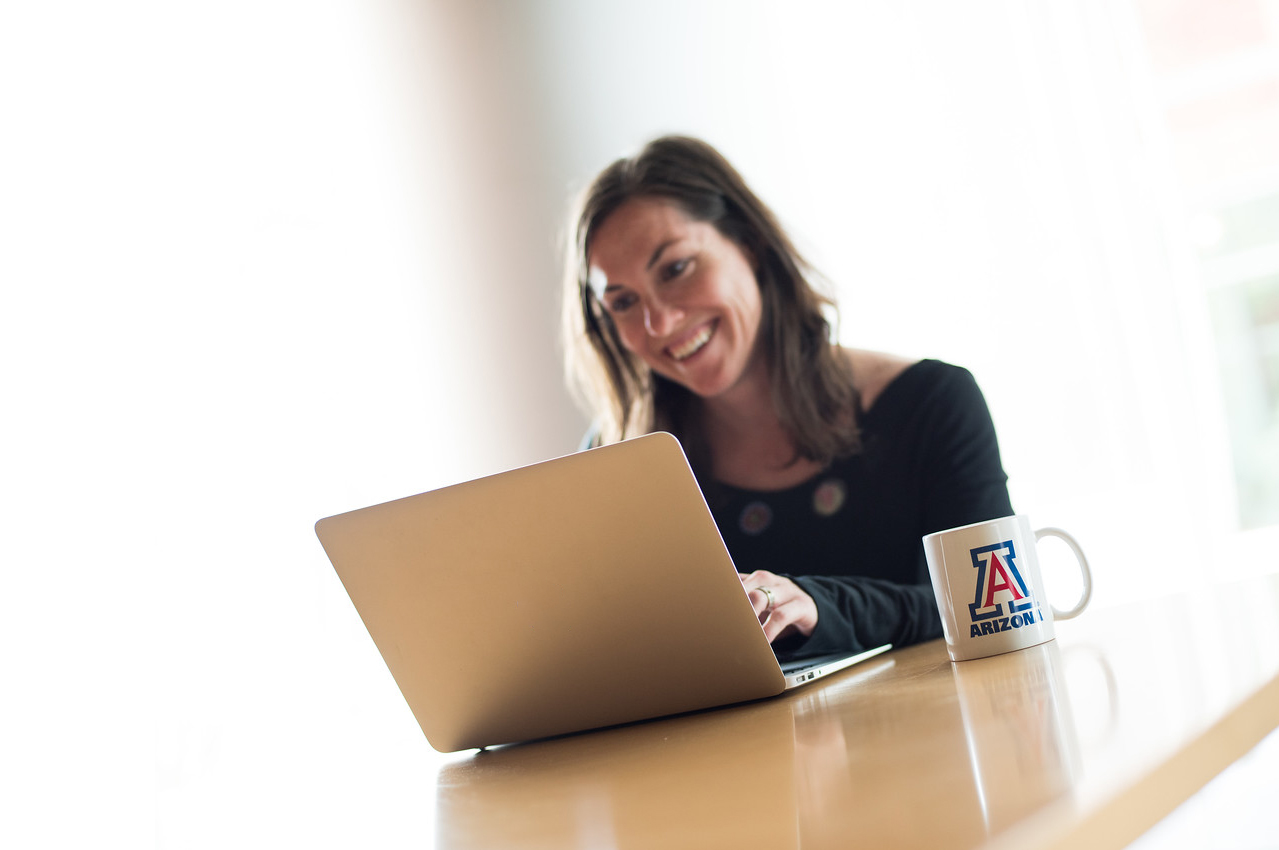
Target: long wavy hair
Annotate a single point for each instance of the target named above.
(811, 381)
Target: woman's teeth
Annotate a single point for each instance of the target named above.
(693, 345)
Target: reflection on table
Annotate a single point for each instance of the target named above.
(1090, 738)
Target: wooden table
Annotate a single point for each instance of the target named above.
(1086, 741)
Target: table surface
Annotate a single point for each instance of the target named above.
(1087, 740)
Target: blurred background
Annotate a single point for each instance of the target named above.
(267, 261)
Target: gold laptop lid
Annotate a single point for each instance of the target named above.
(585, 591)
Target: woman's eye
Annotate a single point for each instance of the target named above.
(675, 269)
(620, 304)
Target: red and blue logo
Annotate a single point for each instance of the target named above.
(1003, 599)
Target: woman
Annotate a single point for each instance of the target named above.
(688, 310)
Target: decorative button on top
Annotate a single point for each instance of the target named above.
(829, 497)
(755, 517)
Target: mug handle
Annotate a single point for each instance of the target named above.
(1083, 569)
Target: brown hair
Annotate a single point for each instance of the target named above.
(811, 381)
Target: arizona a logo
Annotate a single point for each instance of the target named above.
(1000, 583)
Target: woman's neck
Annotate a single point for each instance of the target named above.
(748, 445)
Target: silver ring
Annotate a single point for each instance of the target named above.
(772, 603)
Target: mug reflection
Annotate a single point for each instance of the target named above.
(1021, 735)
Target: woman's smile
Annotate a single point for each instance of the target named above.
(692, 344)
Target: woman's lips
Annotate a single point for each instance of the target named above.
(693, 344)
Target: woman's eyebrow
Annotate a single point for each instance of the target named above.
(658, 253)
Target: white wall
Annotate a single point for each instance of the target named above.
(987, 183)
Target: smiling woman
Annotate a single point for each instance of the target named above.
(688, 310)
(672, 186)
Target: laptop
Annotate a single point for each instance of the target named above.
(578, 593)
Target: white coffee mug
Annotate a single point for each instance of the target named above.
(989, 587)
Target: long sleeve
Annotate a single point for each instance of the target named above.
(855, 614)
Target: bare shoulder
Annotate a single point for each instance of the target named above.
(875, 370)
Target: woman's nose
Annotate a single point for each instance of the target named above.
(659, 318)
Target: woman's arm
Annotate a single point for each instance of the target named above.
(855, 614)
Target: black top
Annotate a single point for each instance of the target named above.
(851, 535)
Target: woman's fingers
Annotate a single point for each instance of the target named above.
(780, 604)
(763, 600)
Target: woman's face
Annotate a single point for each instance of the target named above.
(683, 296)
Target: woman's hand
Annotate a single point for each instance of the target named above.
(783, 609)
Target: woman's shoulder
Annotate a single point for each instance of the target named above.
(875, 371)
(877, 374)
